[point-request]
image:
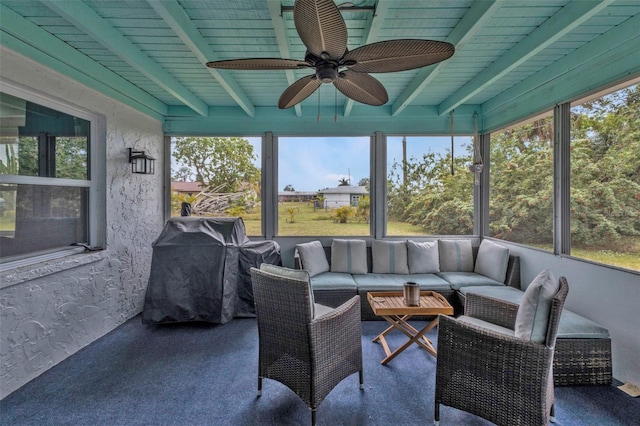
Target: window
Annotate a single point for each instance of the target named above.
(217, 176)
(521, 183)
(323, 186)
(423, 197)
(605, 178)
(45, 184)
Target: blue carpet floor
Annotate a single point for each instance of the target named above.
(201, 374)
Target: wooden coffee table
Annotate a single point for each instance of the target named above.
(390, 306)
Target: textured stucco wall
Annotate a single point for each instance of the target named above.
(51, 310)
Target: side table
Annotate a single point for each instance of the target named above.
(390, 306)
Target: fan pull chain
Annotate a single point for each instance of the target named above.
(451, 125)
(318, 106)
(335, 106)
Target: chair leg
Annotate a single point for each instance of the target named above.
(313, 417)
(436, 414)
(259, 386)
(360, 373)
(552, 415)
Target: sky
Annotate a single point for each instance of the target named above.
(313, 163)
(310, 164)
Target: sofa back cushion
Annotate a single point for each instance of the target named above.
(532, 318)
(423, 258)
(313, 257)
(349, 256)
(492, 260)
(389, 257)
(455, 255)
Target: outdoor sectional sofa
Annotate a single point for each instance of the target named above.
(454, 269)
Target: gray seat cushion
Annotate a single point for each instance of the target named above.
(571, 324)
(388, 282)
(574, 326)
(333, 281)
(508, 294)
(487, 325)
(321, 310)
(464, 279)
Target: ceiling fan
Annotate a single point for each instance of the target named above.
(321, 28)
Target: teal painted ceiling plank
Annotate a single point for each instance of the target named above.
(44, 58)
(86, 69)
(625, 33)
(468, 27)
(181, 24)
(277, 20)
(365, 120)
(615, 66)
(372, 31)
(563, 22)
(89, 21)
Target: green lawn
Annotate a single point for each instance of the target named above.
(304, 221)
(309, 222)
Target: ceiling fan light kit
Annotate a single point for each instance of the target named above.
(323, 31)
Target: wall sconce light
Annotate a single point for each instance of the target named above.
(141, 162)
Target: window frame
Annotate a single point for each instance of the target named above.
(96, 173)
(561, 172)
(383, 156)
(485, 192)
(270, 179)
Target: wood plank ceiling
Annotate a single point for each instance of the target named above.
(150, 54)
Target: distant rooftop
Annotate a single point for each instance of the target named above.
(186, 186)
(345, 190)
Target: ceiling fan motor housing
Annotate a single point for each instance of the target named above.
(327, 72)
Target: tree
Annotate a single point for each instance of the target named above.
(364, 182)
(364, 208)
(289, 188)
(605, 180)
(342, 214)
(521, 202)
(319, 202)
(343, 182)
(70, 159)
(218, 162)
(441, 204)
(183, 174)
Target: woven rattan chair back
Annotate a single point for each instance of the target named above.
(308, 355)
(501, 378)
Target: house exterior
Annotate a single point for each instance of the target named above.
(188, 188)
(284, 196)
(343, 196)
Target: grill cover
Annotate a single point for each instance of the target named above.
(196, 271)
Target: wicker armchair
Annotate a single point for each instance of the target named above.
(491, 373)
(309, 355)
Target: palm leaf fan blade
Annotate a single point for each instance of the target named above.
(299, 91)
(321, 27)
(362, 88)
(398, 55)
(258, 64)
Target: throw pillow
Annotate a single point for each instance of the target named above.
(533, 313)
(294, 274)
(492, 260)
(455, 255)
(423, 258)
(349, 256)
(313, 257)
(389, 257)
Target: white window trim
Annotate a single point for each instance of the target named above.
(97, 167)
